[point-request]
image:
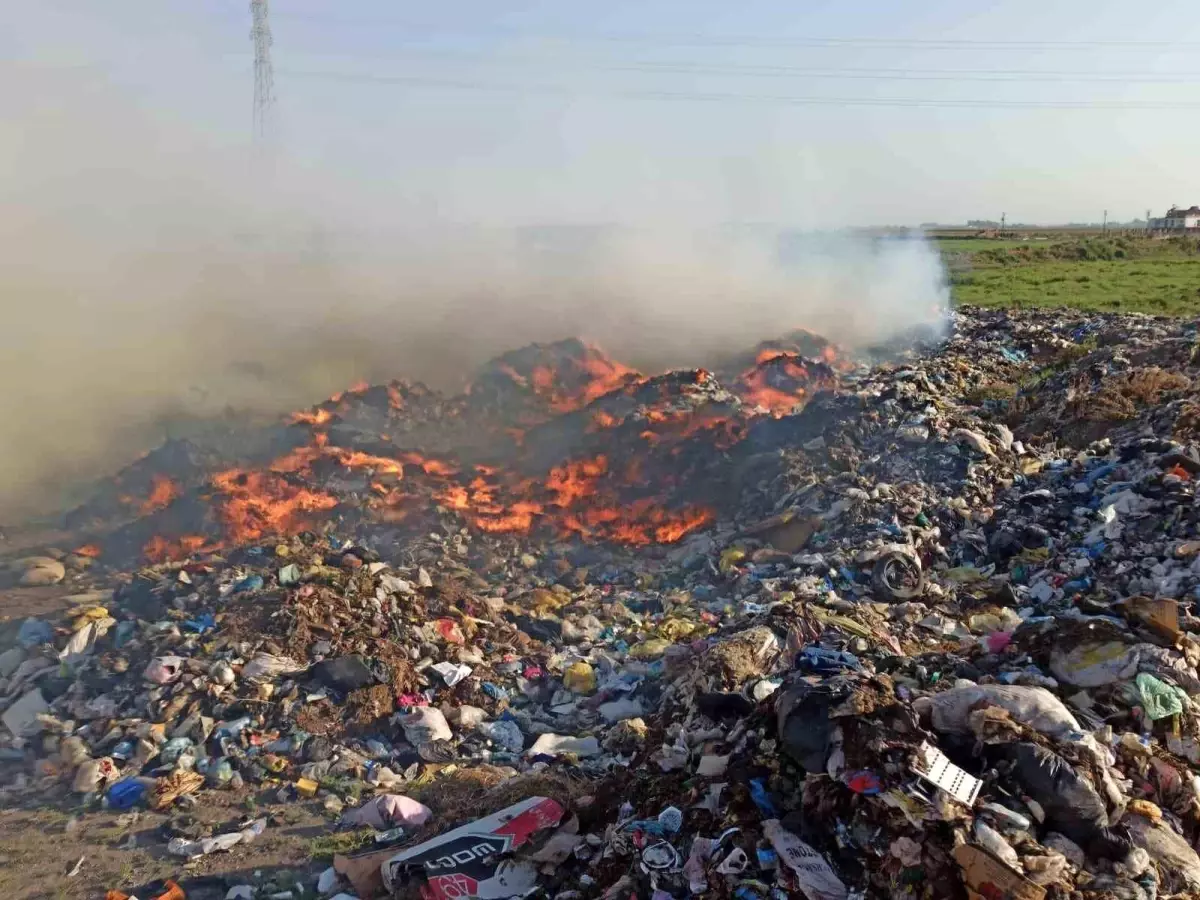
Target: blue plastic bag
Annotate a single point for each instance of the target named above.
(820, 661)
(125, 794)
(249, 583)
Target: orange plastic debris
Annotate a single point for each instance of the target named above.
(173, 892)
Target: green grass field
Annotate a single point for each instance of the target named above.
(1116, 274)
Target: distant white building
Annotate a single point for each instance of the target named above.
(1178, 220)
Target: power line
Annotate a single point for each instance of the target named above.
(772, 71)
(911, 102)
(1001, 76)
(696, 39)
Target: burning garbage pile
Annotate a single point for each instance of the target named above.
(556, 440)
(929, 630)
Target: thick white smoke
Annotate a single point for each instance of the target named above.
(151, 272)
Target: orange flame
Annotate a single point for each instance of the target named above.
(575, 481)
(431, 466)
(780, 381)
(162, 491)
(518, 517)
(359, 387)
(577, 380)
(355, 459)
(161, 549)
(454, 497)
(91, 551)
(316, 418)
(588, 497)
(638, 524)
(395, 400)
(302, 458)
(261, 503)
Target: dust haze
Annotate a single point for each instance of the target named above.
(154, 273)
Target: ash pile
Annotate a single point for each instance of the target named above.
(805, 627)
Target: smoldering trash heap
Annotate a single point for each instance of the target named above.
(906, 621)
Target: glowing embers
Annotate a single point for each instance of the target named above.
(163, 549)
(257, 504)
(163, 490)
(779, 381)
(561, 377)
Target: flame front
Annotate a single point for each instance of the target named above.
(781, 380)
(315, 417)
(257, 504)
(161, 549)
(163, 491)
(576, 380)
(656, 434)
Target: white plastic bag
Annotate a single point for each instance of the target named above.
(817, 879)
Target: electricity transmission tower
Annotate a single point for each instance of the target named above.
(264, 78)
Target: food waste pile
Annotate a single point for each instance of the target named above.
(809, 626)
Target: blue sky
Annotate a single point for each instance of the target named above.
(827, 113)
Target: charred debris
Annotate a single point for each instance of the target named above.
(809, 624)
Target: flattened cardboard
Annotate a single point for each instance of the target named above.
(988, 878)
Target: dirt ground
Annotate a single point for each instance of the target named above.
(40, 846)
(19, 603)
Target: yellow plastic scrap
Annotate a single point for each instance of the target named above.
(1034, 555)
(1147, 809)
(320, 572)
(828, 618)
(306, 787)
(273, 762)
(652, 648)
(1031, 466)
(580, 678)
(675, 628)
(94, 614)
(542, 601)
(682, 599)
(730, 558)
(906, 805)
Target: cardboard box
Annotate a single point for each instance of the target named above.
(989, 878)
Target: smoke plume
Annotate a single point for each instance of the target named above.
(153, 273)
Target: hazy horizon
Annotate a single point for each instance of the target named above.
(813, 116)
(158, 262)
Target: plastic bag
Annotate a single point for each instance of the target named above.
(1071, 804)
(424, 725)
(1159, 699)
(163, 669)
(267, 666)
(816, 878)
(993, 841)
(1177, 861)
(388, 811)
(505, 733)
(1094, 665)
(1032, 706)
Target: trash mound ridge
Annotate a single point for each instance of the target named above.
(805, 625)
